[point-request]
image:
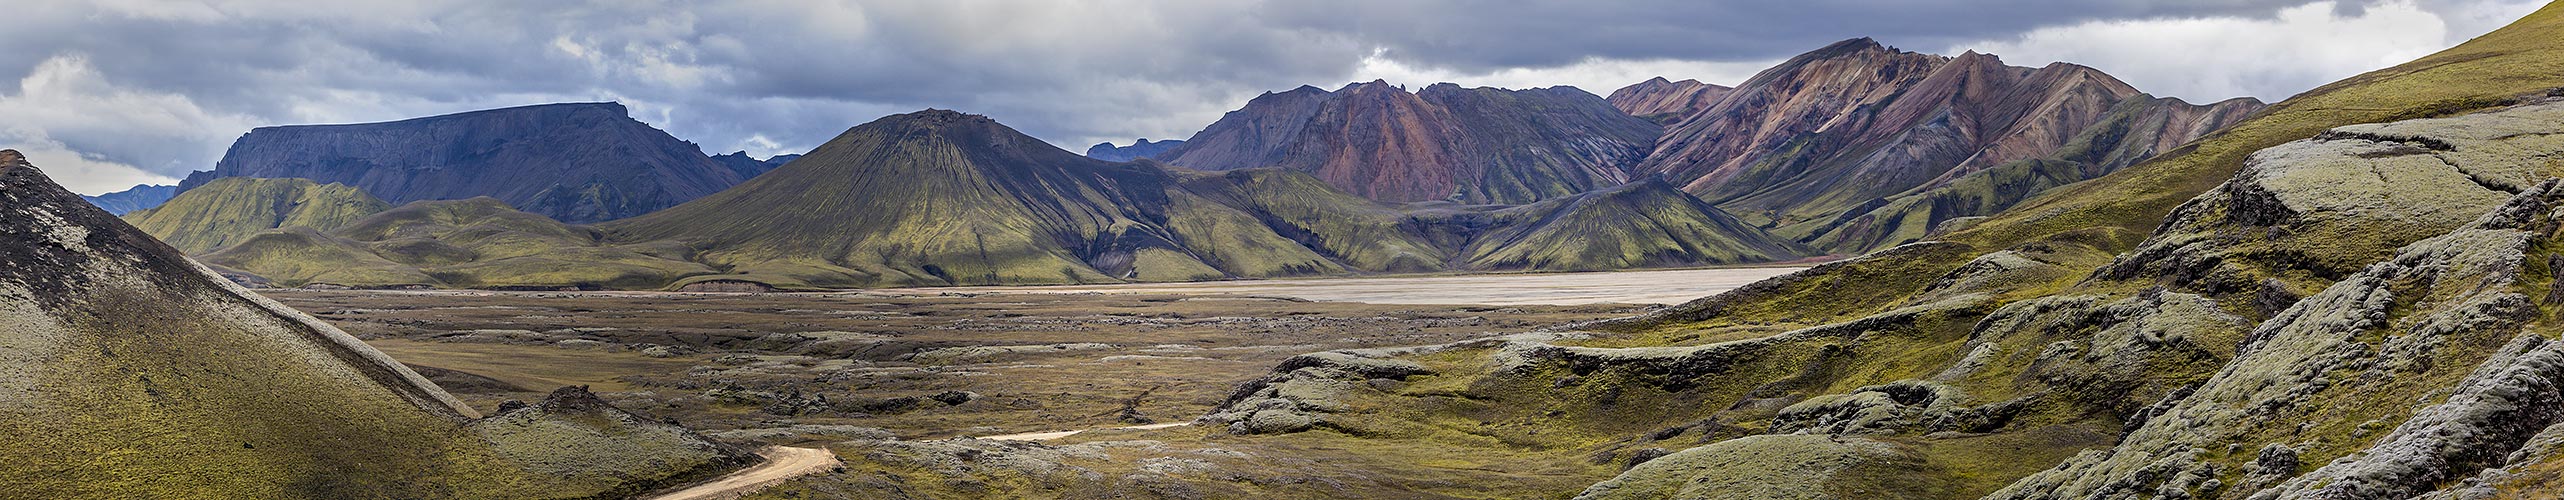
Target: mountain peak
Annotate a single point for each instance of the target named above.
(10, 157)
(938, 117)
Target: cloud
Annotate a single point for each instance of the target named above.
(2213, 58)
(1597, 75)
(65, 111)
(164, 85)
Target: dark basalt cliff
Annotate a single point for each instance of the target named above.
(579, 162)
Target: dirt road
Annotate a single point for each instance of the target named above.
(782, 463)
(1624, 287)
(1046, 436)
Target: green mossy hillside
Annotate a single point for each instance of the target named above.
(231, 210)
(475, 243)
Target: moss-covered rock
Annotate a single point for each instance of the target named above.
(1778, 467)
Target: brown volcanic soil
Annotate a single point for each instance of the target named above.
(1035, 362)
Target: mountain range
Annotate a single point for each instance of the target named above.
(946, 198)
(1852, 148)
(137, 198)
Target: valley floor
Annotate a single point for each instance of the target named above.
(1624, 287)
(919, 367)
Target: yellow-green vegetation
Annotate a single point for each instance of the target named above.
(930, 198)
(2491, 70)
(478, 242)
(1640, 224)
(232, 210)
(128, 372)
(1361, 234)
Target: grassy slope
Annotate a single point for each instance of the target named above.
(1359, 233)
(930, 198)
(2484, 72)
(479, 242)
(1642, 224)
(230, 210)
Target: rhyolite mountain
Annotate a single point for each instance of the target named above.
(136, 198)
(130, 372)
(749, 167)
(1137, 150)
(1666, 101)
(227, 211)
(1444, 142)
(945, 198)
(1857, 146)
(577, 162)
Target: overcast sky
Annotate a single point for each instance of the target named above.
(111, 93)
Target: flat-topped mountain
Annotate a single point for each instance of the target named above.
(577, 162)
(1482, 145)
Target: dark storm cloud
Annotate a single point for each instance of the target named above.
(1478, 35)
(163, 85)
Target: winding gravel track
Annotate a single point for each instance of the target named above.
(782, 463)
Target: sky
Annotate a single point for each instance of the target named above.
(112, 93)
